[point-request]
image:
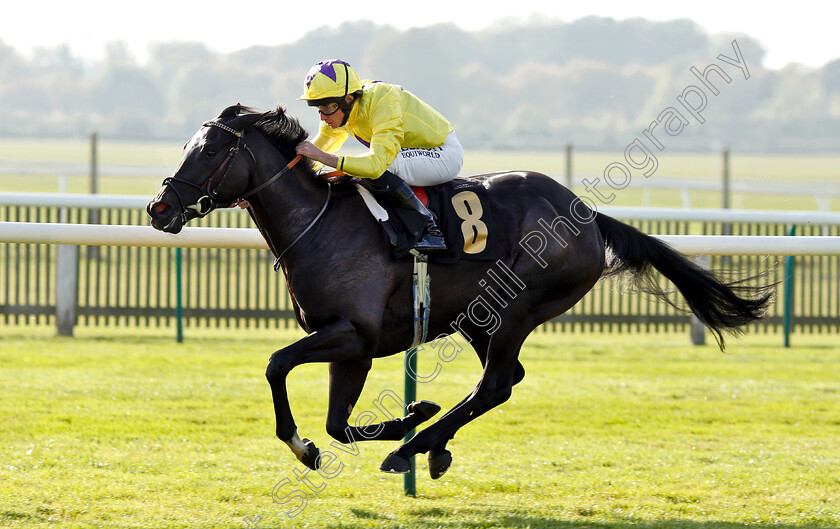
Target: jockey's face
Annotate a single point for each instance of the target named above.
(334, 118)
(332, 114)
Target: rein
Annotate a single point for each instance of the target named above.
(208, 202)
(271, 180)
(301, 234)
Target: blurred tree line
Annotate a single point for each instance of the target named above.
(596, 82)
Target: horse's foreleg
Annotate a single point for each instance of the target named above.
(336, 342)
(346, 383)
(347, 380)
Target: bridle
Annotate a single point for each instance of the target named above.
(210, 200)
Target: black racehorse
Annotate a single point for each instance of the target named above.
(355, 301)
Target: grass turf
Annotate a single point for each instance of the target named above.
(125, 428)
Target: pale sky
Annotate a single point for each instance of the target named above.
(802, 31)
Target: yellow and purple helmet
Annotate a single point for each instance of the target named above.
(332, 79)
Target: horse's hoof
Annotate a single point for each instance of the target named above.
(312, 457)
(424, 408)
(395, 464)
(439, 463)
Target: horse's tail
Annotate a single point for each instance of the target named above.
(720, 306)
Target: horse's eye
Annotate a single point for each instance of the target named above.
(210, 153)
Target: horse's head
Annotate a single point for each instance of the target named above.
(213, 171)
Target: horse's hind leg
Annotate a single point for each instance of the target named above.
(439, 457)
(347, 379)
(501, 371)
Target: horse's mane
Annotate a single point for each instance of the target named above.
(283, 131)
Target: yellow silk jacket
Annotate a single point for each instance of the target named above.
(386, 118)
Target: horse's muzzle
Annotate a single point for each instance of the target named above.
(164, 217)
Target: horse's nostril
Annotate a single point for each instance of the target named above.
(160, 207)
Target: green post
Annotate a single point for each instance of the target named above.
(787, 318)
(179, 302)
(409, 480)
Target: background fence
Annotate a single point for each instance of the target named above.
(124, 285)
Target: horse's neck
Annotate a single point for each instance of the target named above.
(283, 210)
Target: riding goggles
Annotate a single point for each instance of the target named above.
(328, 109)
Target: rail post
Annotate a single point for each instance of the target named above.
(698, 330)
(66, 288)
(726, 189)
(93, 213)
(410, 480)
(179, 297)
(787, 317)
(569, 182)
(66, 276)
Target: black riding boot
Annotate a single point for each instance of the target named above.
(400, 194)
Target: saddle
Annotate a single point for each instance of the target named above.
(463, 215)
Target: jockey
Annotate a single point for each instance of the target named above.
(408, 141)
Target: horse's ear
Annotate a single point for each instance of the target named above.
(231, 111)
(245, 121)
